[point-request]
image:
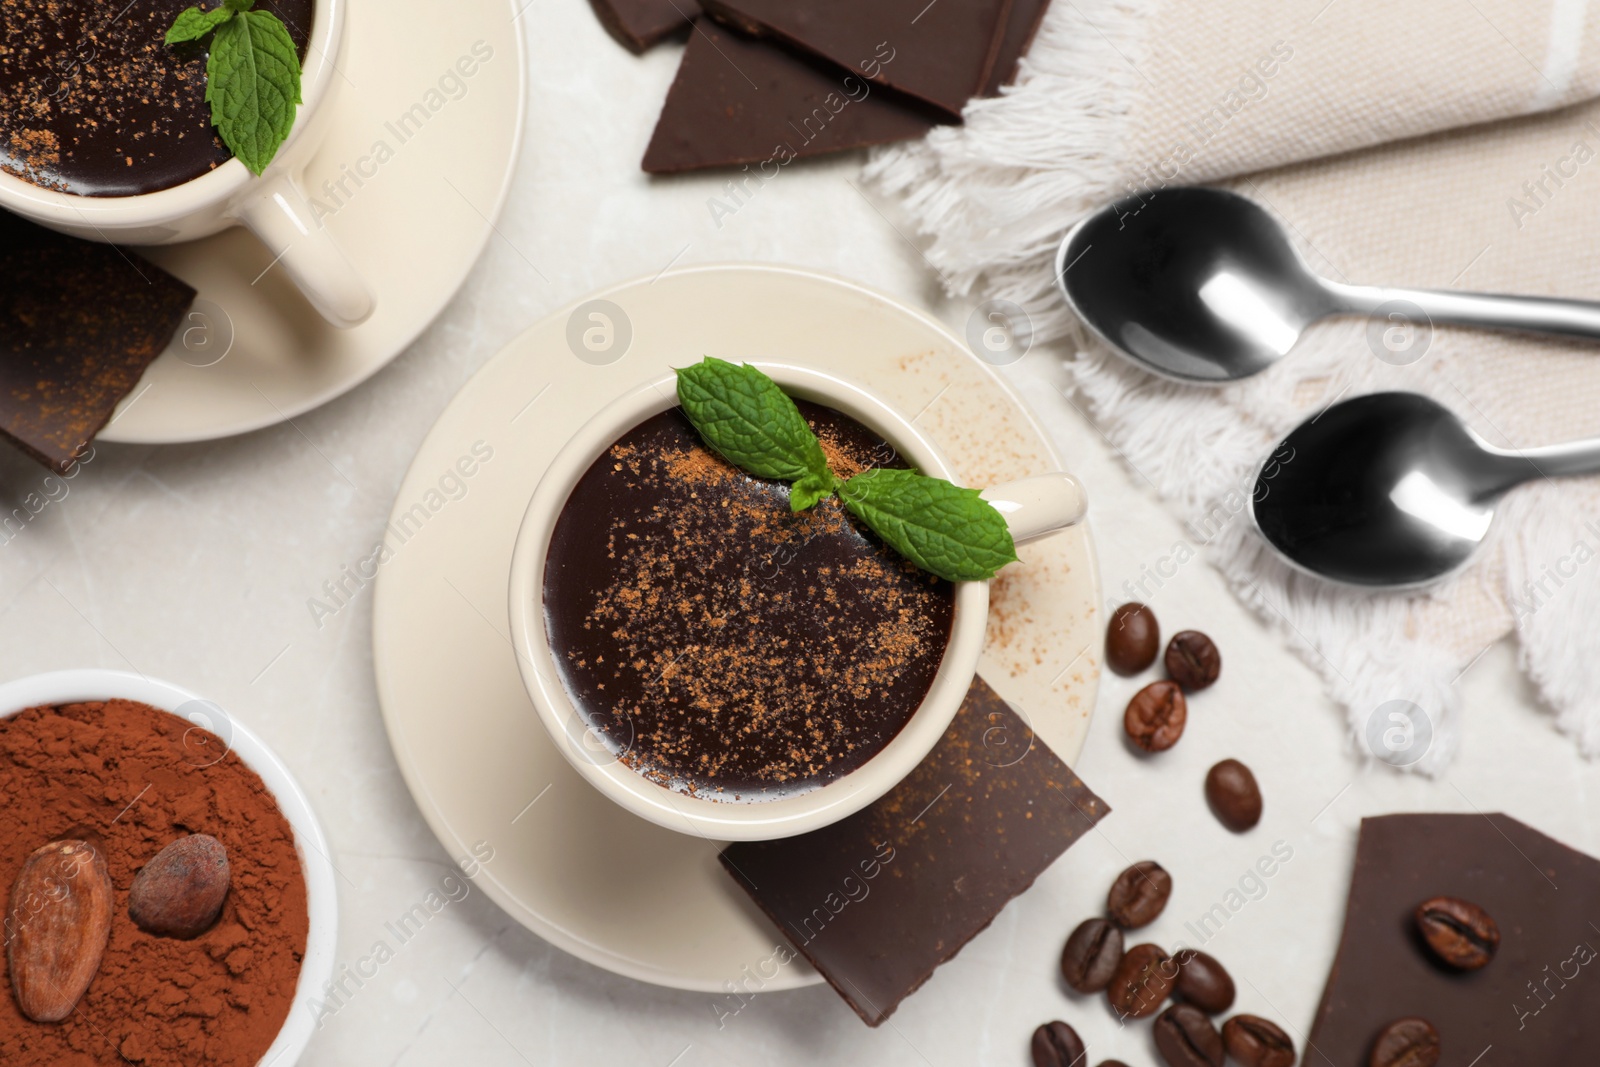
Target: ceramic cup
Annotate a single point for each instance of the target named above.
(1032, 508)
(322, 900)
(273, 206)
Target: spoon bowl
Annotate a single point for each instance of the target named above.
(1201, 285)
(1392, 490)
(1195, 284)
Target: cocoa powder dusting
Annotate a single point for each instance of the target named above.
(83, 770)
(722, 644)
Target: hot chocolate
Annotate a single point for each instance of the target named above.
(721, 644)
(94, 102)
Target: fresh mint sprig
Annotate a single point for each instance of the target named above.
(744, 416)
(252, 76)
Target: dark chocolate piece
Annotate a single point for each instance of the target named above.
(878, 901)
(1021, 27)
(738, 100)
(639, 25)
(942, 53)
(1530, 1005)
(79, 323)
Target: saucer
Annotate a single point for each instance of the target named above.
(415, 163)
(569, 864)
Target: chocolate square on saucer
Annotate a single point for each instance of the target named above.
(639, 25)
(941, 53)
(739, 100)
(79, 323)
(1532, 1003)
(877, 901)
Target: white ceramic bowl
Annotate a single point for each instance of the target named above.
(1031, 507)
(322, 904)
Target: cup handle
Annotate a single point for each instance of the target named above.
(277, 212)
(1033, 507)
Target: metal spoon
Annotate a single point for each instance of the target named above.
(1203, 286)
(1391, 489)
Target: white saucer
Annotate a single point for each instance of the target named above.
(410, 234)
(570, 865)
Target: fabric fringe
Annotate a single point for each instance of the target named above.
(996, 194)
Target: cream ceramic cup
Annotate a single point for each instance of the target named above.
(1032, 508)
(273, 206)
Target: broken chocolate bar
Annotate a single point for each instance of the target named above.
(79, 323)
(1531, 1004)
(1021, 26)
(941, 53)
(640, 24)
(738, 100)
(877, 901)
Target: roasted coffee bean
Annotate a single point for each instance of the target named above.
(1141, 982)
(1459, 932)
(1112, 1063)
(1091, 955)
(1132, 639)
(1186, 1038)
(1257, 1042)
(1156, 715)
(1056, 1044)
(1193, 660)
(1204, 982)
(1408, 1042)
(1234, 797)
(1139, 894)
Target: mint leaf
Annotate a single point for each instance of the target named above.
(746, 418)
(942, 528)
(239, 5)
(253, 84)
(193, 24)
(812, 488)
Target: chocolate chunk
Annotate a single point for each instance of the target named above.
(1021, 26)
(1530, 1005)
(738, 100)
(941, 53)
(879, 900)
(79, 323)
(640, 24)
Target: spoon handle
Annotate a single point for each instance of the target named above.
(1558, 461)
(1497, 311)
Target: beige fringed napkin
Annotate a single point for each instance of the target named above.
(1486, 176)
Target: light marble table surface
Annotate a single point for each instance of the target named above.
(196, 563)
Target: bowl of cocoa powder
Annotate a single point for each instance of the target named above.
(167, 889)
